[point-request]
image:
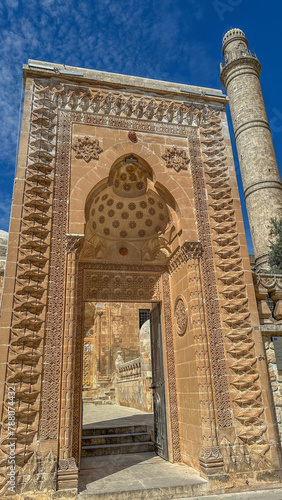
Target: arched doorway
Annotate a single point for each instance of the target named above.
(130, 232)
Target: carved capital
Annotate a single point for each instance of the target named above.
(67, 464)
(74, 242)
(188, 250)
(67, 474)
(211, 460)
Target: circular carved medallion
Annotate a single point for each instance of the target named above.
(180, 312)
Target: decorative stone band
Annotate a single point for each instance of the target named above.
(250, 124)
(131, 285)
(246, 393)
(241, 66)
(265, 184)
(218, 365)
(24, 367)
(71, 97)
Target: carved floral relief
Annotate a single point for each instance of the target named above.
(87, 149)
(176, 158)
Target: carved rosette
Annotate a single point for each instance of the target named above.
(87, 149)
(176, 158)
(181, 317)
(246, 393)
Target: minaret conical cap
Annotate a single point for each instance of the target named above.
(231, 35)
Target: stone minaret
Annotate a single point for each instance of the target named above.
(261, 181)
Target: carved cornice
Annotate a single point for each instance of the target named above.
(71, 97)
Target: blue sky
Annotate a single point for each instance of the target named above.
(174, 40)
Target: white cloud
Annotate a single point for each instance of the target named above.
(123, 36)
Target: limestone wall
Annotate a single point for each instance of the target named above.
(275, 377)
(134, 378)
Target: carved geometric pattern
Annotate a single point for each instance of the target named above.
(78, 330)
(24, 366)
(210, 290)
(110, 285)
(180, 313)
(71, 97)
(173, 403)
(210, 456)
(38, 474)
(87, 149)
(65, 442)
(50, 404)
(246, 393)
(86, 364)
(176, 158)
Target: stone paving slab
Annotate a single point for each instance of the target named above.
(96, 416)
(134, 476)
(271, 494)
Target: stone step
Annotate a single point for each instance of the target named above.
(103, 402)
(124, 429)
(181, 492)
(117, 449)
(133, 437)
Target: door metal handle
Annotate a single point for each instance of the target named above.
(155, 386)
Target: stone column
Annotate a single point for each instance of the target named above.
(99, 341)
(261, 181)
